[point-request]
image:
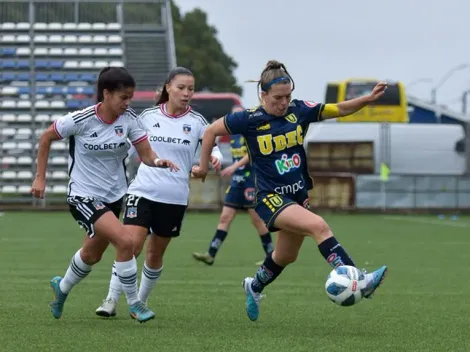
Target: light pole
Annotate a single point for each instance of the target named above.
(464, 101)
(444, 80)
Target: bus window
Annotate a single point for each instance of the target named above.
(391, 107)
(391, 96)
(331, 96)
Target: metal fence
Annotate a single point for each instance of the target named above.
(127, 12)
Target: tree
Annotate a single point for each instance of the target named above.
(198, 49)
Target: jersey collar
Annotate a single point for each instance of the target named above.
(100, 118)
(165, 112)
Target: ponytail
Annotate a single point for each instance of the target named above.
(163, 96)
(99, 88)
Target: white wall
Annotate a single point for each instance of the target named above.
(416, 149)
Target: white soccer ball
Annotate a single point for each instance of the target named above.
(343, 285)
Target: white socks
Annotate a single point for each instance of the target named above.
(127, 273)
(147, 281)
(115, 288)
(76, 272)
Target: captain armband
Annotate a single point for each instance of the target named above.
(330, 110)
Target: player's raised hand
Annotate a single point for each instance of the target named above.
(378, 91)
(38, 187)
(167, 164)
(216, 164)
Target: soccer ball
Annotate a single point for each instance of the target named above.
(343, 285)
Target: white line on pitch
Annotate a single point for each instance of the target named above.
(427, 221)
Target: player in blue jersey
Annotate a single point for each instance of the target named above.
(240, 195)
(274, 134)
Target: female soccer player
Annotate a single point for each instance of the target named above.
(156, 201)
(98, 146)
(274, 134)
(240, 195)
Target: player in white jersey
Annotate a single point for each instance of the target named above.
(157, 200)
(98, 147)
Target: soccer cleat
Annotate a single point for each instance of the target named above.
(140, 312)
(57, 305)
(252, 299)
(373, 281)
(107, 309)
(206, 258)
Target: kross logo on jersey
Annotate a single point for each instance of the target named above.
(264, 127)
(119, 130)
(186, 128)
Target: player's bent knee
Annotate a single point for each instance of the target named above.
(90, 256)
(319, 229)
(138, 246)
(124, 242)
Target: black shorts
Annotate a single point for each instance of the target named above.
(240, 197)
(86, 210)
(161, 219)
(270, 204)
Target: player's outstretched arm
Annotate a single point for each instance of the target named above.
(39, 183)
(214, 130)
(348, 107)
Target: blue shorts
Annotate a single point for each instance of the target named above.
(270, 204)
(240, 197)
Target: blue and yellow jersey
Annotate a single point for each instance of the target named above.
(275, 145)
(238, 147)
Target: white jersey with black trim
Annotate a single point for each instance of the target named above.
(97, 151)
(175, 138)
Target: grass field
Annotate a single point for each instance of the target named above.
(423, 304)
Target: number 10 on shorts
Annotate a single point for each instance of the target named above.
(273, 201)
